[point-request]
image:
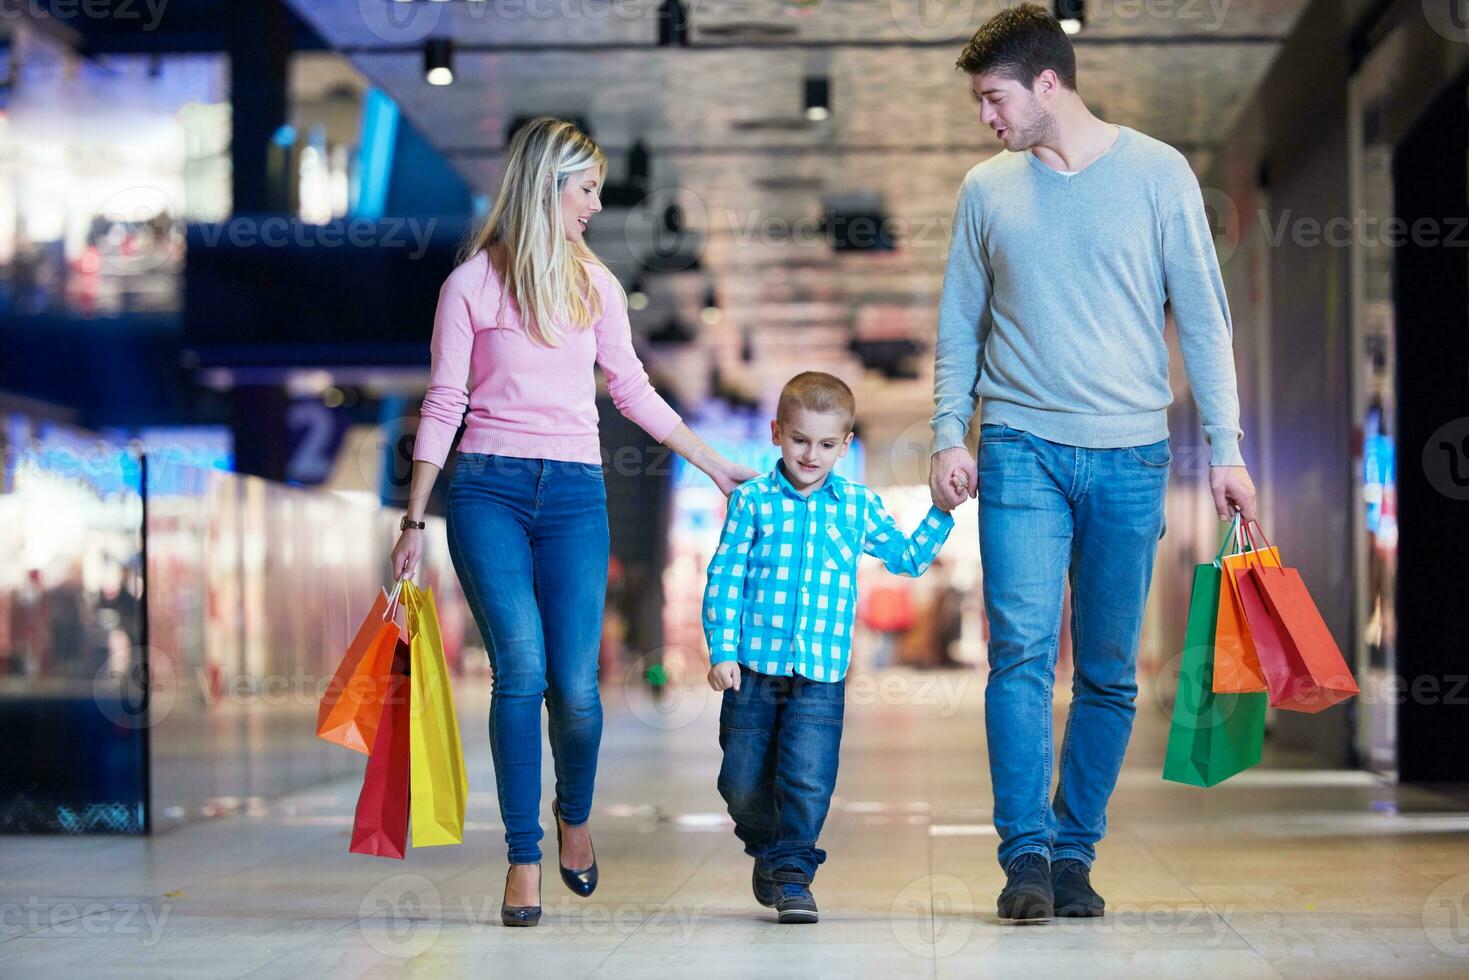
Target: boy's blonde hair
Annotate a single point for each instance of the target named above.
(547, 274)
(817, 391)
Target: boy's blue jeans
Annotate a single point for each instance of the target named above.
(1046, 512)
(781, 737)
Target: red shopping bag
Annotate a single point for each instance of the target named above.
(381, 825)
(1304, 668)
(353, 702)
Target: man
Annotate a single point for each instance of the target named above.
(1065, 248)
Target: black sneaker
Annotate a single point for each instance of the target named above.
(1027, 896)
(1072, 886)
(766, 892)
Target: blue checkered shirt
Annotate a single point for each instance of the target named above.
(782, 586)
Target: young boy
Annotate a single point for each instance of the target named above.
(778, 617)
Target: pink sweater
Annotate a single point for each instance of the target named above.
(526, 400)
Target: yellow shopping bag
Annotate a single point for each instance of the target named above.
(439, 788)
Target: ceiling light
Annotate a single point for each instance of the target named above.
(1072, 15)
(710, 313)
(438, 61)
(818, 99)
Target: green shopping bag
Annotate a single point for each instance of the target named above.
(1212, 736)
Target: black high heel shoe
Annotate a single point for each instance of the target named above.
(520, 915)
(582, 882)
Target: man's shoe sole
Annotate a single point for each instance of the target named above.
(1026, 913)
(1079, 912)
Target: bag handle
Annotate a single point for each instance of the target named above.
(412, 601)
(1231, 536)
(1254, 547)
(391, 612)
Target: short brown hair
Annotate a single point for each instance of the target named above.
(817, 391)
(1020, 43)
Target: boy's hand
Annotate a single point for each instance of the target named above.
(725, 675)
(953, 477)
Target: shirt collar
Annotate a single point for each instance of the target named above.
(834, 486)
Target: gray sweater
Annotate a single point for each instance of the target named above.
(1052, 309)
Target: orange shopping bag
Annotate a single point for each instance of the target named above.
(353, 703)
(1236, 664)
(1304, 668)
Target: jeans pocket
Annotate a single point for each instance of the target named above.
(1155, 454)
(593, 470)
(741, 711)
(992, 433)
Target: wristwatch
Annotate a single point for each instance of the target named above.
(405, 524)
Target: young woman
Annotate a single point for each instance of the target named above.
(523, 318)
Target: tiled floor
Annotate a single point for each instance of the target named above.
(1275, 873)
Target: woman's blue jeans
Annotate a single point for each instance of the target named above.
(529, 541)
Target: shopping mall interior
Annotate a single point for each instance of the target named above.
(224, 225)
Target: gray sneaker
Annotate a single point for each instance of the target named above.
(796, 904)
(766, 891)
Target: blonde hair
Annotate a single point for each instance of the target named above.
(546, 274)
(817, 391)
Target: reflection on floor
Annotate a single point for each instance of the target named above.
(1276, 873)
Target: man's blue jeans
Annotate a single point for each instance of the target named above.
(781, 737)
(1046, 510)
(529, 541)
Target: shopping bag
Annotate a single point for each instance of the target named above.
(1304, 668)
(439, 788)
(380, 826)
(1211, 736)
(353, 701)
(1236, 664)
